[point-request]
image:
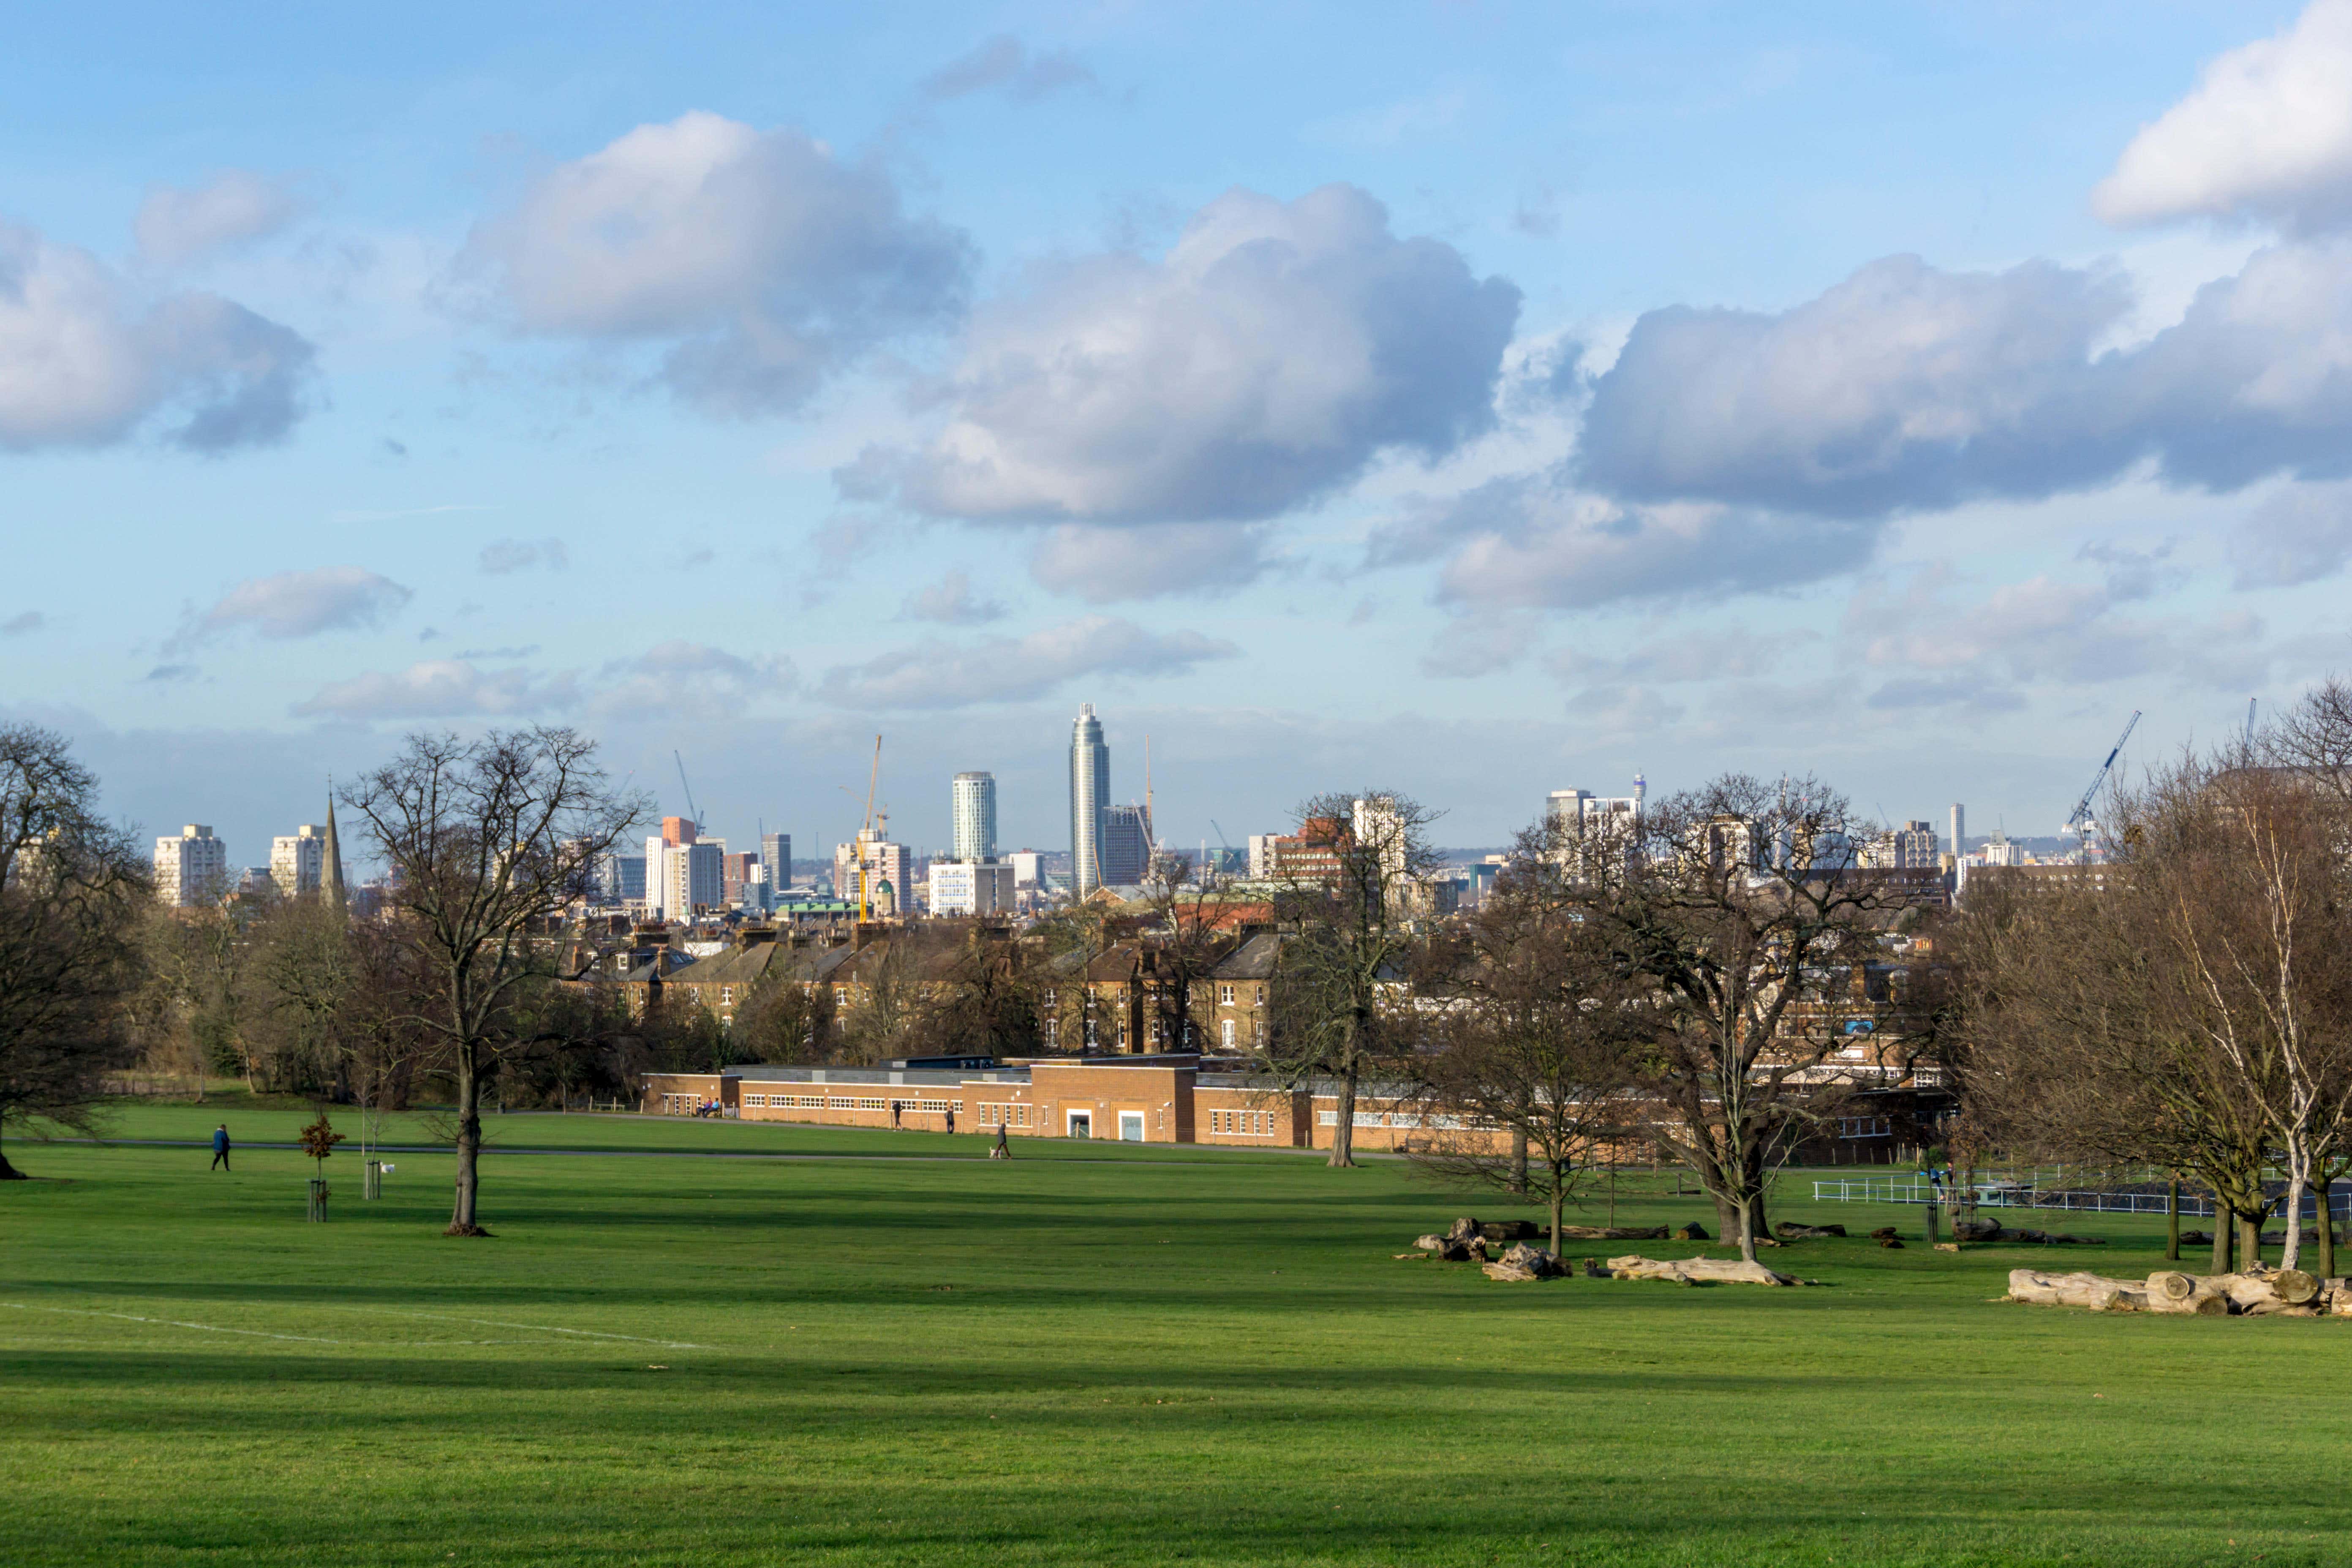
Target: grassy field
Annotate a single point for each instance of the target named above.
(1090, 1354)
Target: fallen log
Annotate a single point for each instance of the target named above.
(1462, 1230)
(1524, 1262)
(1691, 1232)
(1696, 1270)
(2091, 1291)
(1614, 1233)
(2169, 1291)
(1509, 1230)
(1976, 1230)
(1789, 1230)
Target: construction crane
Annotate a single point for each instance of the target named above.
(862, 847)
(1223, 842)
(2079, 821)
(690, 806)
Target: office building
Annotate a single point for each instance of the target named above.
(1959, 830)
(972, 887)
(776, 855)
(735, 874)
(1126, 846)
(298, 860)
(621, 878)
(191, 868)
(684, 873)
(975, 807)
(1025, 872)
(1089, 795)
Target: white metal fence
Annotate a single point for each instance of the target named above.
(2022, 1195)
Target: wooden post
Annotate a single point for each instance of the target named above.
(2172, 1219)
(318, 1206)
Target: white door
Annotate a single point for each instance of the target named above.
(1081, 1124)
(1131, 1127)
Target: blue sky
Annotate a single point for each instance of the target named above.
(1471, 399)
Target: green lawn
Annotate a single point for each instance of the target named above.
(1143, 1355)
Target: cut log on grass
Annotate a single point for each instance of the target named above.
(1691, 1232)
(1433, 1242)
(1894, 1243)
(1696, 1270)
(1614, 1233)
(2190, 1295)
(1789, 1230)
(1977, 1230)
(1462, 1230)
(1509, 1230)
(2093, 1292)
(1524, 1262)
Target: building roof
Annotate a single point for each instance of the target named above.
(1253, 959)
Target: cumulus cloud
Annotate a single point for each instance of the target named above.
(1264, 361)
(84, 361)
(2266, 134)
(682, 676)
(440, 688)
(1105, 563)
(1906, 387)
(1015, 670)
(176, 227)
(302, 604)
(1004, 62)
(950, 602)
(1534, 541)
(504, 555)
(2302, 534)
(764, 261)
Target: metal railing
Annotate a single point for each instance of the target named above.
(2014, 1195)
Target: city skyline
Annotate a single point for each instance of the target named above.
(1902, 395)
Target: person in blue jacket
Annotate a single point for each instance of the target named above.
(220, 1147)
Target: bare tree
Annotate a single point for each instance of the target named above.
(1186, 944)
(1743, 905)
(1350, 896)
(72, 887)
(485, 840)
(1541, 1027)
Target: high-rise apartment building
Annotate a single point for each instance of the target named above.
(298, 860)
(889, 874)
(684, 872)
(974, 814)
(621, 878)
(776, 855)
(1089, 795)
(736, 873)
(1959, 830)
(191, 868)
(972, 886)
(1911, 846)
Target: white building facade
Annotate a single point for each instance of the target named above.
(191, 868)
(974, 817)
(298, 860)
(972, 887)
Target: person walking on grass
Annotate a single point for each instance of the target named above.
(894, 1116)
(950, 1121)
(1003, 1150)
(220, 1147)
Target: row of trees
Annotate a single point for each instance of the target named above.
(2191, 1008)
(1663, 981)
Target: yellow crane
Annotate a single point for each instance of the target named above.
(862, 847)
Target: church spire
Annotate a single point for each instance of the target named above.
(332, 872)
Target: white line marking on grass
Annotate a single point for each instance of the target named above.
(534, 1328)
(172, 1323)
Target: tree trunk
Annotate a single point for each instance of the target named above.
(2291, 1255)
(2169, 1291)
(2092, 1292)
(2172, 1219)
(1519, 1171)
(1691, 1270)
(2249, 1241)
(9, 1172)
(2326, 1230)
(1343, 1131)
(1558, 1180)
(462, 1216)
(2222, 1260)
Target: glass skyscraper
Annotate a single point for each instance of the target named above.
(1089, 794)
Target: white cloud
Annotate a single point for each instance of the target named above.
(2301, 534)
(1534, 541)
(176, 227)
(1479, 644)
(1905, 388)
(85, 362)
(691, 678)
(1734, 653)
(764, 260)
(1107, 563)
(504, 555)
(1015, 670)
(950, 602)
(1275, 351)
(441, 688)
(2266, 134)
(302, 603)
